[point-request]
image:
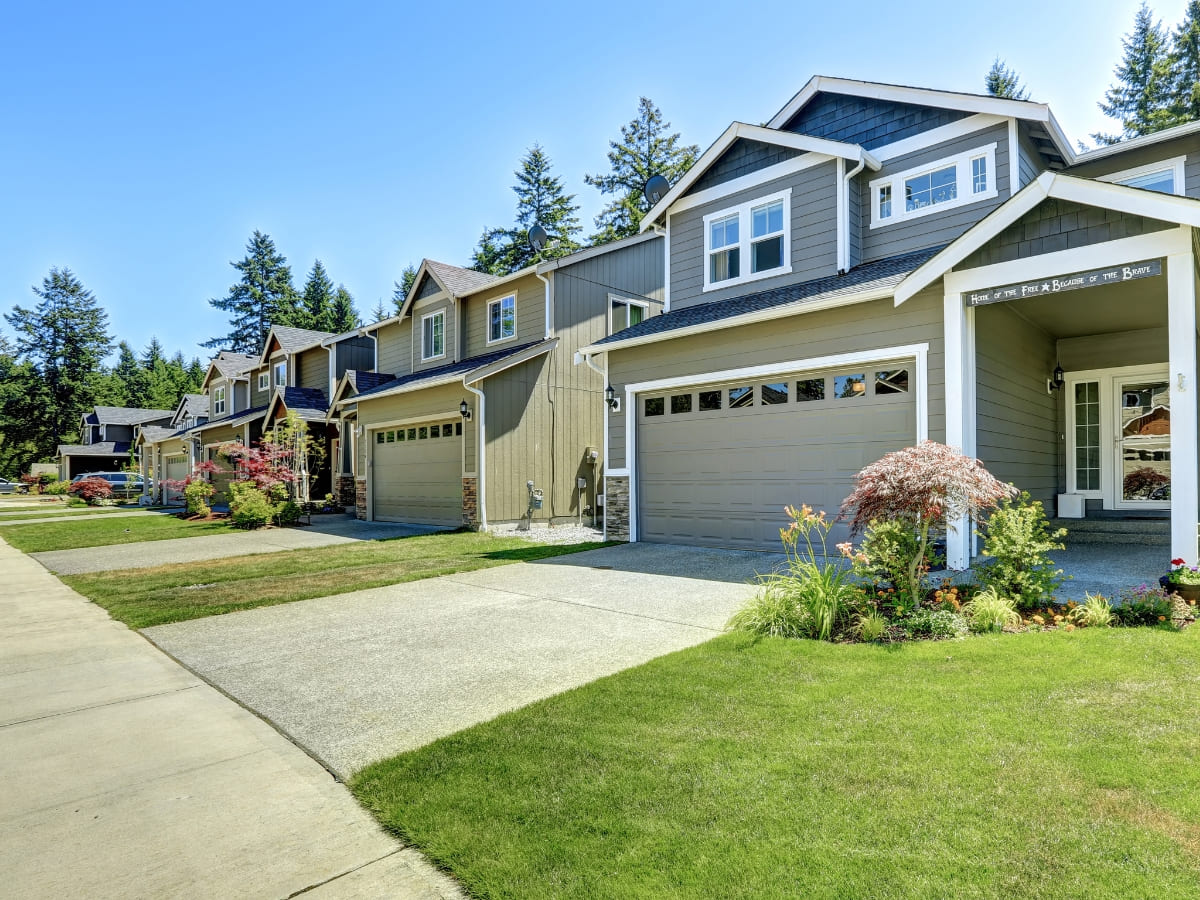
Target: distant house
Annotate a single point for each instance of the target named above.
(106, 437)
(165, 453)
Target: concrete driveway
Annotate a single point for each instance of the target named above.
(324, 531)
(358, 677)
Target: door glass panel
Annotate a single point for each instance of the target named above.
(848, 386)
(741, 396)
(1087, 436)
(1145, 441)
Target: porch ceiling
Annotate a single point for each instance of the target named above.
(1099, 310)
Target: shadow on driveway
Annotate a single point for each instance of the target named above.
(677, 560)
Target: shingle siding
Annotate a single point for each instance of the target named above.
(428, 288)
(866, 121)
(742, 158)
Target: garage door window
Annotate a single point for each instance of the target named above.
(655, 406)
(741, 397)
(891, 381)
(400, 434)
(681, 403)
(710, 400)
(422, 433)
(810, 389)
(390, 436)
(771, 394)
(846, 387)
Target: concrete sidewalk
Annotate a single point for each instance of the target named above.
(324, 532)
(125, 776)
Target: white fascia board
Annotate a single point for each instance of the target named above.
(937, 136)
(366, 330)
(422, 270)
(764, 315)
(476, 375)
(590, 252)
(1146, 140)
(753, 180)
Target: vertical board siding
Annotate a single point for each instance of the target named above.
(531, 316)
(935, 228)
(429, 287)
(742, 158)
(395, 348)
(355, 353)
(813, 237)
(867, 121)
(1016, 427)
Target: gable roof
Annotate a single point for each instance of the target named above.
(354, 382)
(103, 448)
(228, 364)
(121, 415)
(192, 406)
(291, 340)
(153, 434)
(1131, 200)
(308, 403)
(958, 100)
(456, 280)
(820, 146)
(870, 281)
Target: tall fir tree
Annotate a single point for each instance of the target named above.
(540, 201)
(1001, 81)
(131, 375)
(647, 147)
(317, 299)
(261, 297)
(152, 354)
(64, 339)
(1185, 67)
(378, 313)
(343, 316)
(1140, 97)
(401, 288)
(22, 399)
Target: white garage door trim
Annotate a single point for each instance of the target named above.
(395, 423)
(918, 352)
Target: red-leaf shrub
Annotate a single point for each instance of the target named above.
(929, 484)
(91, 489)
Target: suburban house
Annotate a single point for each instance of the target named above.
(164, 451)
(878, 265)
(105, 439)
(475, 413)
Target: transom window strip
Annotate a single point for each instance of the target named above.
(419, 433)
(930, 189)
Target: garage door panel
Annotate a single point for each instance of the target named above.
(419, 479)
(722, 477)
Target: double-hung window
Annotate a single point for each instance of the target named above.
(264, 381)
(433, 335)
(280, 371)
(1166, 177)
(502, 319)
(219, 401)
(938, 186)
(624, 313)
(748, 242)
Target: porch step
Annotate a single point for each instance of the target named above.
(1115, 531)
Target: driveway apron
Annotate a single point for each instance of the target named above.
(357, 677)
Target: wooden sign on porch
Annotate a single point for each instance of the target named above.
(1075, 282)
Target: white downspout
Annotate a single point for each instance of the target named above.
(481, 474)
(844, 212)
(549, 317)
(603, 373)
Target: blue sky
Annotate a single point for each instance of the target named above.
(143, 144)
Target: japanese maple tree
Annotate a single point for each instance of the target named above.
(923, 486)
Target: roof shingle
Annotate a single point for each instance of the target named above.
(459, 282)
(120, 415)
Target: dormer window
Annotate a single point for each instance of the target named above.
(280, 373)
(219, 401)
(502, 319)
(936, 187)
(758, 232)
(264, 381)
(433, 335)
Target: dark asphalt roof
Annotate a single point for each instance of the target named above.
(879, 274)
(364, 381)
(121, 415)
(244, 415)
(307, 403)
(298, 338)
(462, 366)
(104, 448)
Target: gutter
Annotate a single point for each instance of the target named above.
(843, 263)
(549, 316)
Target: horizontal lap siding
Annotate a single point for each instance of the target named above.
(395, 348)
(1101, 351)
(1030, 164)
(935, 228)
(1188, 146)
(449, 335)
(312, 369)
(857, 328)
(518, 440)
(1017, 435)
(813, 237)
(531, 316)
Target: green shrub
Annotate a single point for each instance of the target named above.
(287, 513)
(248, 506)
(1094, 612)
(1017, 541)
(936, 623)
(872, 627)
(885, 557)
(57, 488)
(1142, 605)
(988, 611)
(195, 494)
(91, 490)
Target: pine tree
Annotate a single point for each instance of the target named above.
(152, 354)
(1185, 67)
(343, 316)
(645, 149)
(196, 371)
(131, 376)
(401, 288)
(1140, 97)
(318, 299)
(540, 201)
(64, 339)
(261, 297)
(378, 313)
(1001, 81)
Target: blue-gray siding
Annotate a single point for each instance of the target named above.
(1030, 164)
(866, 121)
(1187, 146)
(742, 158)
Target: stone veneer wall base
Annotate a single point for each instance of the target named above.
(616, 507)
(470, 503)
(360, 498)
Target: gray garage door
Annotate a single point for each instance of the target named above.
(175, 468)
(717, 463)
(417, 473)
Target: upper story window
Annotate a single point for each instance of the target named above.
(219, 401)
(622, 313)
(433, 335)
(280, 371)
(1166, 177)
(264, 381)
(942, 185)
(502, 319)
(758, 232)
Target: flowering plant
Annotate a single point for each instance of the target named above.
(1182, 573)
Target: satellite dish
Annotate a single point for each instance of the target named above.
(538, 238)
(656, 188)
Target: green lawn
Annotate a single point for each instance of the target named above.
(7, 516)
(88, 531)
(175, 593)
(1037, 765)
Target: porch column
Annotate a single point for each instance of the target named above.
(1181, 327)
(960, 390)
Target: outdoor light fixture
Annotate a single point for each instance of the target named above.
(463, 409)
(1056, 381)
(610, 397)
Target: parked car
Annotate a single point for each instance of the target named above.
(9, 487)
(123, 484)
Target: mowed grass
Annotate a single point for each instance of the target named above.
(1039, 765)
(7, 515)
(88, 531)
(175, 593)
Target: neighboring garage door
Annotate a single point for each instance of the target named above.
(718, 463)
(174, 469)
(416, 473)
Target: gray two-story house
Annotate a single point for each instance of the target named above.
(878, 265)
(106, 437)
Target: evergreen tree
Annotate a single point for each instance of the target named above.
(152, 354)
(196, 372)
(1185, 67)
(378, 313)
(343, 316)
(318, 299)
(401, 288)
(1001, 81)
(131, 378)
(1140, 97)
(540, 201)
(64, 340)
(262, 296)
(646, 148)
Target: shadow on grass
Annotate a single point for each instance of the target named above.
(544, 551)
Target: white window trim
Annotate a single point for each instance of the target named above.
(219, 401)
(742, 211)
(264, 381)
(962, 174)
(1174, 165)
(628, 301)
(488, 324)
(433, 315)
(275, 372)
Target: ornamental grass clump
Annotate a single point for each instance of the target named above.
(1094, 612)
(988, 611)
(922, 487)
